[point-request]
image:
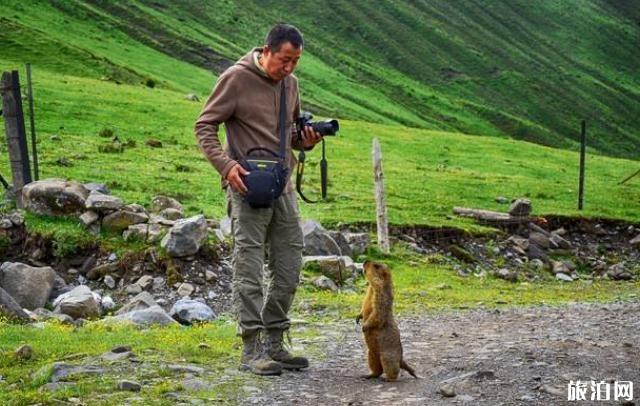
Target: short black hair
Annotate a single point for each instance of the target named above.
(283, 33)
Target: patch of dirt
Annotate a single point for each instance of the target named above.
(489, 357)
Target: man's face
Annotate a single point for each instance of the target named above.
(280, 64)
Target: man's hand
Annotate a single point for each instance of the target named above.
(234, 177)
(310, 137)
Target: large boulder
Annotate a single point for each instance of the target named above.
(317, 240)
(55, 197)
(187, 311)
(10, 309)
(185, 237)
(29, 286)
(79, 303)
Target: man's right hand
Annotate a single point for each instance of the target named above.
(234, 177)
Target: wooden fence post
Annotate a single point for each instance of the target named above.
(15, 131)
(381, 207)
(583, 146)
(32, 124)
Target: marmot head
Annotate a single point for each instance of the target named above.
(376, 273)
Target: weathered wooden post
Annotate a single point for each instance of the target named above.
(583, 146)
(32, 124)
(16, 135)
(381, 207)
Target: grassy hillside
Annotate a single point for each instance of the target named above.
(527, 70)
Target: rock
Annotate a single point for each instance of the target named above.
(10, 309)
(359, 242)
(148, 232)
(145, 282)
(29, 286)
(23, 353)
(89, 217)
(79, 303)
(160, 203)
(131, 386)
(192, 97)
(172, 214)
(146, 317)
(507, 275)
(158, 283)
(185, 289)
(102, 270)
(539, 239)
(44, 314)
(564, 277)
(54, 197)
(448, 391)
(635, 240)
(109, 282)
(502, 200)
(535, 252)
(142, 301)
(187, 311)
(520, 208)
(121, 219)
(97, 187)
(100, 202)
(59, 287)
(317, 240)
(133, 289)
(558, 242)
(185, 237)
(342, 242)
(325, 283)
(331, 266)
(107, 303)
(61, 370)
(559, 267)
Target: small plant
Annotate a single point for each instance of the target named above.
(112, 148)
(150, 83)
(106, 132)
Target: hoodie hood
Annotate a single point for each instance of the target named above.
(250, 62)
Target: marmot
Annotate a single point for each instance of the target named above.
(380, 329)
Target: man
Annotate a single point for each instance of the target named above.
(246, 98)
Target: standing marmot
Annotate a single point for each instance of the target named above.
(380, 329)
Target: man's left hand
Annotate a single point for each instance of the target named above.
(310, 137)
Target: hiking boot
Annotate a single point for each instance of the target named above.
(255, 359)
(277, 352)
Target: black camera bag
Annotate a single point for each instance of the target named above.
(267, 174)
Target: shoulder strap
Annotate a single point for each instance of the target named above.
(283, 121)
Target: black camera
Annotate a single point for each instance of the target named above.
(326, 127)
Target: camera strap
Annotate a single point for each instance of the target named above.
(323, 175)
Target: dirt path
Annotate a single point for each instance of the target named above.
(499, 357)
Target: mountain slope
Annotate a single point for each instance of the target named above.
(526, 70)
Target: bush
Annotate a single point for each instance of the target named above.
(106, 132)
(150, 83)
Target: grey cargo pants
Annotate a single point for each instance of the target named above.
(276, 232)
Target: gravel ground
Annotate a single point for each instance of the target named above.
(493, 357)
